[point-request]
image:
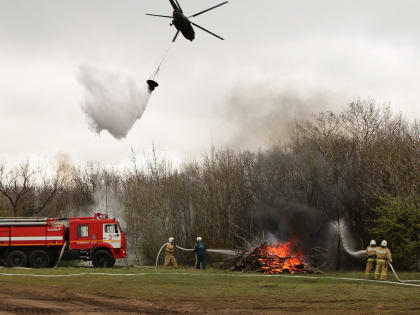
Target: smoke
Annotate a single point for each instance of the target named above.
(285, 219)
(106, 201)
(260, 116)
(314, 233)
(112, 101)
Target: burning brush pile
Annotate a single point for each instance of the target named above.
(271, 258)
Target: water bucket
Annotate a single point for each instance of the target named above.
(152, 85)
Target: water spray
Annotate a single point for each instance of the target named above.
(340, 229)
(219, 251)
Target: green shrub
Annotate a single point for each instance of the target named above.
(398, 222)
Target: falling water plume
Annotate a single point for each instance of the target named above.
(112, 101)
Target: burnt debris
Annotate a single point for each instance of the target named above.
(263, 259)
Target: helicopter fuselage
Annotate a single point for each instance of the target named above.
(182, 24)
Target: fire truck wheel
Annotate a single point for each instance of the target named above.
(39, 259)
(103, 259)
(17, 258)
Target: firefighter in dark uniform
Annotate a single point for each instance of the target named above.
(200, 250)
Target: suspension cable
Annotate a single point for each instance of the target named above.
(156, 72)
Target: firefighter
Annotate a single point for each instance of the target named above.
(169, 253)
(200, 250)
(383, 257)
(371, 257)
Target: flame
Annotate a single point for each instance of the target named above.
(281, 257)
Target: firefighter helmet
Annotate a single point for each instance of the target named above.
(384, 243)
(171, 239)
(199, 238)
(372, 243)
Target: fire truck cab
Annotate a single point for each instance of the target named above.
(42, 242)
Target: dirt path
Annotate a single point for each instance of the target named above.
(18, 300)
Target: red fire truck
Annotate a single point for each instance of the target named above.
(42, 242)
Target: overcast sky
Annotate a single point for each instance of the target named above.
(290, 57)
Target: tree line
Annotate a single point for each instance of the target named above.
(358, 168)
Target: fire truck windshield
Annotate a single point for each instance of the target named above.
(111, 228)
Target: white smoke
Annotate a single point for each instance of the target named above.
(106, 201)
(112, 101)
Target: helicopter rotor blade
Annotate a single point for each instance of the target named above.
(158, 15)
(207, 31)
(176, 35)
(178, 5)
(216, 6)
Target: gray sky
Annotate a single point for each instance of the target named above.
(291, 57)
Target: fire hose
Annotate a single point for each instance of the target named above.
(157, 257)
(61, 254)
(220, 251)
(181, 248)
(396, 276)
(198, 275)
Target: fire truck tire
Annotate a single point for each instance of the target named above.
(17, 258)
(39, 259)
(103, 259)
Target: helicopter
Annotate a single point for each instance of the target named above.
(183, 24)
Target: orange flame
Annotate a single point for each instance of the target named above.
(281, 257)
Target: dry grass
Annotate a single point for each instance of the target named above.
(190, 291)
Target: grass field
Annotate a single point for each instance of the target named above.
(159, 291)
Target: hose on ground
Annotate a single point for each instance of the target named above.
(199, 275)
(396, 276)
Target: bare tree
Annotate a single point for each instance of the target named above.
(16, 183)
(29, 190)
